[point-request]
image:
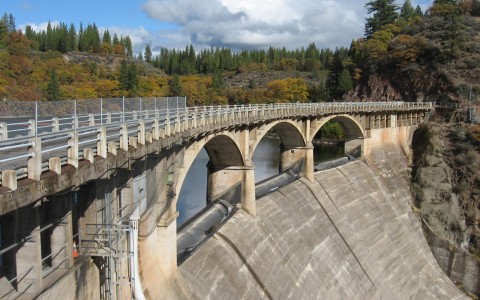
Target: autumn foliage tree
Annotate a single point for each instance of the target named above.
(288, 90)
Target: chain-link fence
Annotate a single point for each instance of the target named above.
(31, 118)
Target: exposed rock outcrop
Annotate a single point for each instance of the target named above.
(445, 179)
(414, 84)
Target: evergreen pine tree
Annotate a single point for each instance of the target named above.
(148, 53)
(217, 82)
(107, 39)
(50, 43)
(82, 41)
(176, 88)
(333, 77)
(53, 87)
(407, 11)
(72, 38)
(94, 39)
(3, 31)
(115, 39)
(418, 11)
(133, 79)
(128, 46)
(61, 34)
(123, 76)
(192, 58)
(11, 23)
(344, 82)
(384, 12)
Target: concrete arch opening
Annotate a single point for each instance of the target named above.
(211, 184)
(278, 147)
(341, 129)
(210, 167)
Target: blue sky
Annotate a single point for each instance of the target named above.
(238, 24)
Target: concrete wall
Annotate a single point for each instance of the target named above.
(81, 282)
(348, 235)
(108, 189)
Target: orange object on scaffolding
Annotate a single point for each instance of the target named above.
(75, 250)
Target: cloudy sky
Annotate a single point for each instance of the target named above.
(239, 24)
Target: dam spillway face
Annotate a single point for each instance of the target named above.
(341, 237)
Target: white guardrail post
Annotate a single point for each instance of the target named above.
(124, 137)
(102, 142)
(141, 133)
(34, 163)
(3, 131)
(72, 153)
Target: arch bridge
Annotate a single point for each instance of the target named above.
(102, 182)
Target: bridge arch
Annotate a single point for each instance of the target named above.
(293, 141)
(224, 152)
(354, 131)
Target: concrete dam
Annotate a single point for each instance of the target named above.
(90, 212)
(350, 234)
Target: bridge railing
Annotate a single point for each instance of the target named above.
(66, 132)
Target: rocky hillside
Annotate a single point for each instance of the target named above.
(446, 178)
(424, 63)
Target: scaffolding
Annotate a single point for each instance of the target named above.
(108, 245)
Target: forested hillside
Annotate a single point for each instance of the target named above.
(406, 54)
(429, 58)
(63, 63)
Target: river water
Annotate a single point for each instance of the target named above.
(266, 159)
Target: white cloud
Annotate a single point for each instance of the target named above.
(259, 24)
(38, 27)
(247, 24)
(139, 36)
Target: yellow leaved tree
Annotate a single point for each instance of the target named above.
(288, 90)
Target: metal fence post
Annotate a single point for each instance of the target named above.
(123, 109)
(178, 108)
(101, 111)
(36, 118)
(167, 125)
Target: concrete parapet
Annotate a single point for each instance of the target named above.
(102, 142)
(72, 153)
(141, 133)
(34, 163)
(88, 154)
(132, 141)
(112, 148)
(124, 137)
(55, 165)
(9, 179)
